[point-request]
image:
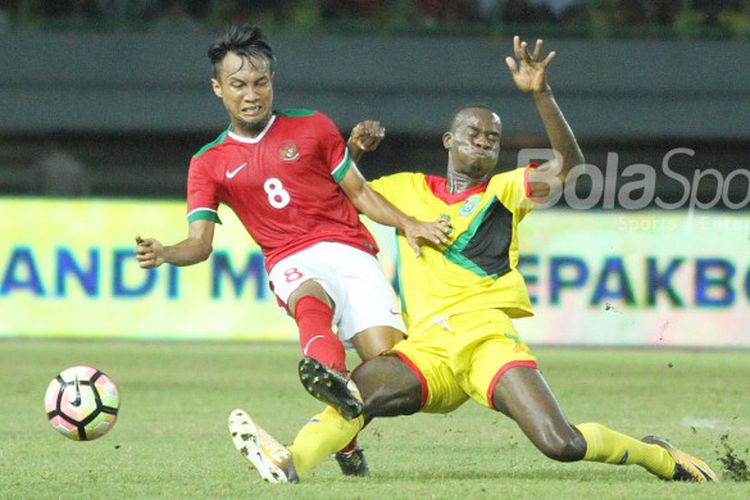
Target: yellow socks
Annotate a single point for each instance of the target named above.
(325, 434)
(610, 447)
(328, 432)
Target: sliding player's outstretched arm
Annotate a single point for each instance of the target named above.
(529, 72)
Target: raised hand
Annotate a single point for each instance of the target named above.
(529, 70)
(366, 135)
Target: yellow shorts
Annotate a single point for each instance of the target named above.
(463, 357)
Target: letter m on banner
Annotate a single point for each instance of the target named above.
(221, 267)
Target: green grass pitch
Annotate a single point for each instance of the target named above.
(170, 440)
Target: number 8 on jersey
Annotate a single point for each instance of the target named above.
(278, 197)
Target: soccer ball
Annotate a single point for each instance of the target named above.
(82, 403)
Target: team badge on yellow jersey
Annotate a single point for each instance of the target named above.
(471, 204)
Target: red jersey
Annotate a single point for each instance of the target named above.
(282, 184)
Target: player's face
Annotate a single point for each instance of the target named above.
(473, 143)
(245, 85)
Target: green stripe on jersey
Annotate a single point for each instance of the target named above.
(204, 214)
(213, 143)
(467, 264)
(453, 252)
(342, 168)
(294, 112)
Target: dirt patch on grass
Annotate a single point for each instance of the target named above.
(735, 468)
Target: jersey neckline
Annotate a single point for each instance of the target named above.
(256, 139)
(438, 187)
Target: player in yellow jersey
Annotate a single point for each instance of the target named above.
(458, 303)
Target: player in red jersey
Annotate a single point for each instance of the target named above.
(289, 178)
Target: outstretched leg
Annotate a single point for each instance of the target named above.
(388, 387)
(523, 394)
(324, 434)
(369, 344)
(338, 391)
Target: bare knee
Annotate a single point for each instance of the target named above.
(308, 288)
(389, 388)
(386, 402)
(523, 394)
(566, 445)
(376, 340)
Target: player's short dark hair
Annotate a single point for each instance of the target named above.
(464, 108)
(244, 40)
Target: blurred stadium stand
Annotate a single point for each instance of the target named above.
(111, 97)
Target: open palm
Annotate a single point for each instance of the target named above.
(529, 70)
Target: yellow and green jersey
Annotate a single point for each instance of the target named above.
(477, 270)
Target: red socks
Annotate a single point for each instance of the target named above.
(316, 337)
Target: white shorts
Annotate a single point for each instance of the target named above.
(362, 296)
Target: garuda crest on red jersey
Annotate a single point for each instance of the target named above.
(289, 151)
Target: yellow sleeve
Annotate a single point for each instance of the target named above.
(392, 186)
(380, 185)
(511, 188)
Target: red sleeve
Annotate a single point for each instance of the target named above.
(202, 196)
(332, 147)
(527, 188)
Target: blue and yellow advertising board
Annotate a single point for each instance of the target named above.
(67, 268)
